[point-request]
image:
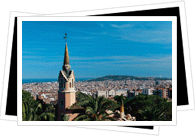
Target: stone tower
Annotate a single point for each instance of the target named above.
(66, 92)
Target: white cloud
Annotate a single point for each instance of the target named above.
(126, 58)
(101, 25)
(122, 26)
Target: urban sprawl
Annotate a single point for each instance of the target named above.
(48, 91)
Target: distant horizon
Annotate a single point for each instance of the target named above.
(44, 80)
(99, 77)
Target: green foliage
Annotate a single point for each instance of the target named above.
(143, 107)
(120, 98)
(94, 107)
(149, 108)
(65, 117)
(36, 110)
(26, 97)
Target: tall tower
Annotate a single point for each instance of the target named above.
(66, 92)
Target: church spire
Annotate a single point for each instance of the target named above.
(66, 56)
(66, 65)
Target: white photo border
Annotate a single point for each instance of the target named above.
(104, 123)
(102, 11)
(186, 52)
(7, 65)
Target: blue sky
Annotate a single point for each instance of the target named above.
(97, 48)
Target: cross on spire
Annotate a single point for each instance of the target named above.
(65, 37)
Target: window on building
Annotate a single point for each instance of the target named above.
(64, 84)
(61, 83)
(70, 85)
(62, 103)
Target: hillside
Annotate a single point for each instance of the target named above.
(125, 77)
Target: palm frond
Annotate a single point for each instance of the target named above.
(81, 117)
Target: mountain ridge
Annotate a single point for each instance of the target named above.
(125, 77)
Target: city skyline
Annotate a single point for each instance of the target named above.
(97, 48)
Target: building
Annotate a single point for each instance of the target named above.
(158, 92)
(147, 91)
(138, 91)
(121, 92)
(102, 93)
(66, 92)
(130, 94)
(46, 97)
(162, 92)
(165, 93)
(170, 93)
(112, 93)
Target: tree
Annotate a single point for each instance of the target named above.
(29, 113)
(36, 110)
(65, 117)
(26, 97)
(94, 108)
(149, 108)
(120, 98)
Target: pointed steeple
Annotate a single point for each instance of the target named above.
(66, 65)
(66, 56)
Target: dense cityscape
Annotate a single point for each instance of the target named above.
(48, 91)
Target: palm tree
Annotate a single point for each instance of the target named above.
(150, 108)
(47, 116)
(95, 108)
(29, 113)
(47, 112)
(34, 112)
